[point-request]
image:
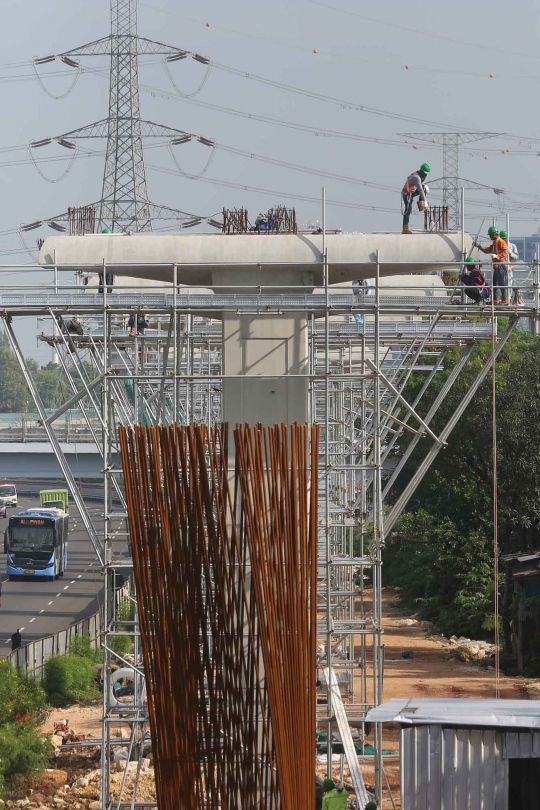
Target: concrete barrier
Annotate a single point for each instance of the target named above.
(31, 658)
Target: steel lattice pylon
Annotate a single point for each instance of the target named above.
(124, 203)
(124, 195)
(451, 181)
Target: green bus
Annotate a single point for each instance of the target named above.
(54, 499)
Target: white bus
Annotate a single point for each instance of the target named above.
(8, 494)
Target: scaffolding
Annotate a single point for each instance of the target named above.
(364, 345)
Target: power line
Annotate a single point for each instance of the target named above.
(303, 197)
(425, 34)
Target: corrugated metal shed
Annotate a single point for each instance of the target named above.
(457, 712)
(467, 754)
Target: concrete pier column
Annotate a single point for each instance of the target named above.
(268, 356)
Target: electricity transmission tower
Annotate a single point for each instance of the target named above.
(124, 203)
(451, 141)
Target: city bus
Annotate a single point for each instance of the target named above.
(8, 493)
(36, 544)
(54, 498)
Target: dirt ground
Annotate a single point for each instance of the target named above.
(428, 673)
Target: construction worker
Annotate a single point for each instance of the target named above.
(514, 255)
(335, 797)
(414, 187)
(360, 287)
(474, 281)
(370, 806)
(498, 250)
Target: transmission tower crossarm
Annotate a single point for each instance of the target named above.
(439, 137)
(99, 47)
(148, 129)
(99, 129)
(151, 47)
(468, 184)
(164, 212)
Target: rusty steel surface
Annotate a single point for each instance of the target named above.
(225, 567)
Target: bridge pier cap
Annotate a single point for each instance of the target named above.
(219, 260)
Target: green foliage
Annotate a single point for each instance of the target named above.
(126, 613)
(81, 647)
(69, 679)
(441, 554)
(443, 575)
(22, 709)
(22, 752)
(529, 608)
(20, 698)
(14, 394)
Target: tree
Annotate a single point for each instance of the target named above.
(441, 555)
(14, 395)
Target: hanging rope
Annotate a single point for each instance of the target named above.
(195, 92)
(193, 176)
(44, 176)
(48, 92)
(495, 501)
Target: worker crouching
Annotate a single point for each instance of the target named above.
(474, 281)
(414, 187)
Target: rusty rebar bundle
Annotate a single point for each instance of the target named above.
(436, 218)
(225, 565)
(81, 220)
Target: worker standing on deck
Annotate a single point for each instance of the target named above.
(498, 250)
(335, 797)
(414, 187)
(514, 292)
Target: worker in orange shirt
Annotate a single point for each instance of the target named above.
(498, 250)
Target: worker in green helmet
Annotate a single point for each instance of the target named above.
(498, 250)
(474, 281)
(370, 806)
(414, 187)
(335, 797)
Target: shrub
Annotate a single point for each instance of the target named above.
(22, 752)
(21, 699)
(81, 646)
(22, 708)
(70, 678)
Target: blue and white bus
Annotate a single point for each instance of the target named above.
(36, 543)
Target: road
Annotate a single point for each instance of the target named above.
(40, 608)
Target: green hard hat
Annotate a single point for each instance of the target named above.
(328, 784)
(503, 234)
(470, 260)
(426, 168)
(106, 230)
(370, 806)
(492, 230)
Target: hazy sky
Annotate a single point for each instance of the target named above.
(450, 66)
